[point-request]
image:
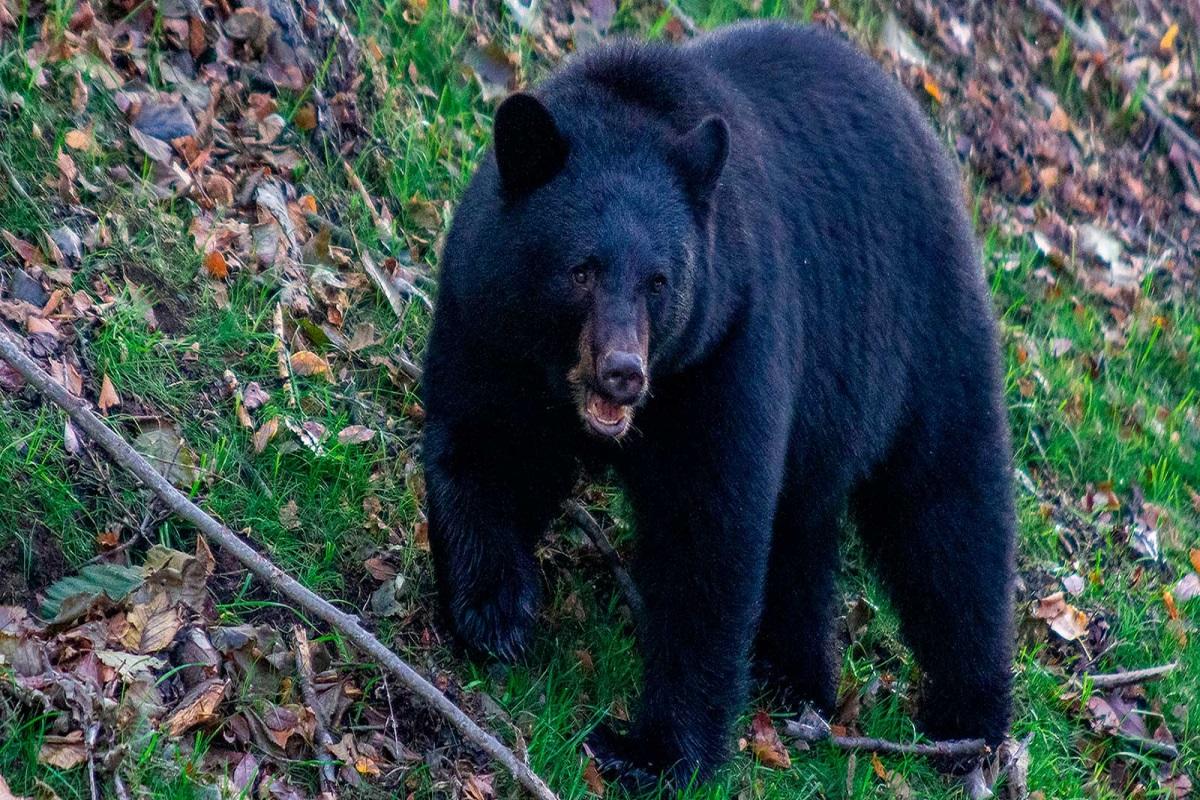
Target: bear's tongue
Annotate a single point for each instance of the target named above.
(605, 411)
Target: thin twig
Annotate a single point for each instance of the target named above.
(89, 744)
(304, 599)
(394, 289)
(1116, 680)
(356, 183)
(325, 741)
(283, 357)
(587, 523)
(811, 728)
(1151, 747)
(1097, 46)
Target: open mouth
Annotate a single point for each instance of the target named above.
(606, 417)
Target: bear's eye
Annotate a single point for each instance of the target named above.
(658, 282)
(581, 275)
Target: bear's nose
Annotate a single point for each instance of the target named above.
(622, 376)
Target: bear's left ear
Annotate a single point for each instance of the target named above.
(529, 148)
(699, 155)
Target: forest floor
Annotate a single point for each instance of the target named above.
(190, 205)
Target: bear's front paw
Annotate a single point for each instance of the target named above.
(636, 766)
(498, 622)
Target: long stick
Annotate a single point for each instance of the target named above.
(811, 728)
(306, 599)
(587, 523)
(1116, 680)
(1096, 46)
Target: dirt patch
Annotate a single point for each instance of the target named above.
(28, 567)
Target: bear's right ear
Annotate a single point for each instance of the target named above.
(699, 156)
(529, 148)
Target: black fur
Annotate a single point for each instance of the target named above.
(772, 219)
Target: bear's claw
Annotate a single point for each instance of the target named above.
(500, 623)
(618, 759)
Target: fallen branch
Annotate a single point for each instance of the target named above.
(587, 523)
(812, 728)
(304, 598)
(304, 673)
(1096, 46)
(1115, 680)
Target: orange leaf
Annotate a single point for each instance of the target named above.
(216, 265)
(591, 776)
(1194, 556)
(931, 88)
(308, 203)
(108, 395)
(1169, 602)
(877, 766)
(79, 140)
(307, 363)
(1167, 43)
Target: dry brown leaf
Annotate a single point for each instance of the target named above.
(265, 433)
(63, 752)
(477, 787)
(1063, 618)
(591, 776)
(39, 325)
(108, 395)
(1059, 121)
(1194, 557)
(355, 434)
(306, 362)
(198, 707)
(766, 745)
(79, 140)
(151, 626)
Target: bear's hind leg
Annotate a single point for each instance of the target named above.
(796, 651)
(937, 520)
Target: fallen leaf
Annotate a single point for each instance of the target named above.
(1187, 588)
(108, 395)
(1167, 43)
(216, 265)
(151, 626)
(1074, 584)
(355, 434)
(79, 140)
(1194, 557)
(1169, 602)
(931, 87)
(197, 707)
(63, 752)
(306, 362)
(478, 787)
(265, 433)
(765, 744)
(1063, 618)
(1059, 121)
(591, 776)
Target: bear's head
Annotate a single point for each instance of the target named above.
(578, 244)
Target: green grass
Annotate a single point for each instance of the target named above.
(1101, 412)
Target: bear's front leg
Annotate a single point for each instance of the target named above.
(488, 501)
(704, 507)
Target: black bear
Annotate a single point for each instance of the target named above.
(738, 272)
